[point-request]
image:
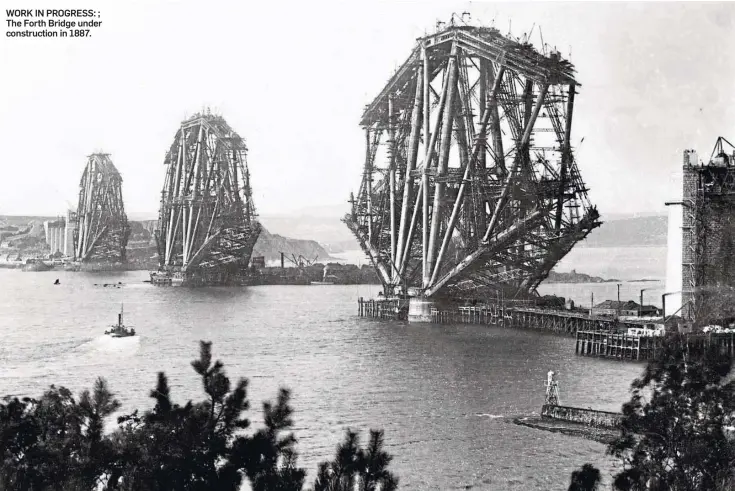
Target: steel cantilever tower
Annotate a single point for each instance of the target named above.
(470, 186)
(101, 230)
(207, 226)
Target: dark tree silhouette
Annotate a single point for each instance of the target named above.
(353, 466)
(56, 443)
(268, 457)
(586, 479)
(674, 430)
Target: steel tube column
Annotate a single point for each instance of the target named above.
(565, 157)
(369, 184)
(413, 150)
(479, 144)
(407, 249)
(483, 108)
(446, 141)
(424, 173)
(495, 123)
(392, 185)
(169, 233)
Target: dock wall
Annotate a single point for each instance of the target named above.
(589, 417)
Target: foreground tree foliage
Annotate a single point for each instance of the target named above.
(57, 442)
(676, 429)
(357, 468)
(586, 479)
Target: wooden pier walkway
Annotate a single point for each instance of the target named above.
(557, 321)
(382, 308)
(623, 347)
(603, 337)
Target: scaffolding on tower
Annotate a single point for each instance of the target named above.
(207, 223)
(469, 184)
(100, 225)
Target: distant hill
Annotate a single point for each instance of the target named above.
(17, 220)
(141, 236)
(268, 245)
(574, 277)
(319, 231)
(616, 231)
(629, 232)
(271, 245)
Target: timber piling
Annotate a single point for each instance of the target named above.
(602, 337)
(383, 308)
(624, 347)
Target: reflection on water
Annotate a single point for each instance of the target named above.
(442, 393)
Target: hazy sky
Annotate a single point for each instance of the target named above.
(293, 79)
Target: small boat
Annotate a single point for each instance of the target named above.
(119, 330)
(325, 278)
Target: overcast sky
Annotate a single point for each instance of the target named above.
(293, 79)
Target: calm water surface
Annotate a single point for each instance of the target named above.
(443, 394)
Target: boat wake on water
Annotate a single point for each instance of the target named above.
(106, 343)
(109, 346)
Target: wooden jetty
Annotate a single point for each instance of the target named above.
(486, 314)
(603, 337)
(382, 308)
(607, 344)
(558, 321)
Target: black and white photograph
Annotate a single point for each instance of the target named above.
(367, 246)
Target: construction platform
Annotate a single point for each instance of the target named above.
(604, 344)
(507, 314)
(383, 308)
(557, 321)
(602, 337)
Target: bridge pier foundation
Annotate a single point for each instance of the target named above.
(419, 309)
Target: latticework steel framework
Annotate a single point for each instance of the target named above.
(470, 184)
(207, 226)
(102, 230)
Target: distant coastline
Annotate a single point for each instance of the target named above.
(574, 277)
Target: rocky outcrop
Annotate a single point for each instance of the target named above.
(271, 245)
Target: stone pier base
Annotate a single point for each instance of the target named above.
(419, 309)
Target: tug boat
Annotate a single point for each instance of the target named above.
(327, 279)
(119, 330)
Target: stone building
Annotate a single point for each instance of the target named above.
(708, 233)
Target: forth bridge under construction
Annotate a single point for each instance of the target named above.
(207, 224)
(470, 189)
(100, 226)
